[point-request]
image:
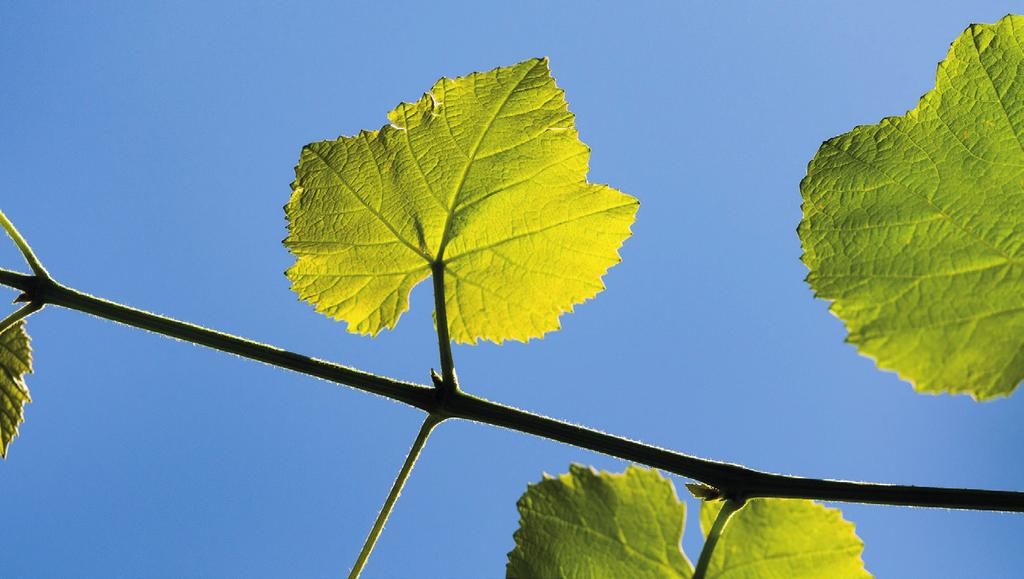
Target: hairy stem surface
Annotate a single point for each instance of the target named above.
(19, 314)
(733, 480)
(396, 489)
(48, 292)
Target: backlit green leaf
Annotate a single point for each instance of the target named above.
(596, 525)
(485, 174)
(783, 539)
(914, 227)
(15, 362)
(590, 524)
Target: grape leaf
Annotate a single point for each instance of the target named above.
(590, 524)
(784, 539)
(15, 362)
(912, 227)
(486, 175)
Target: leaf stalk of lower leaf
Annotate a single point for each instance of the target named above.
(733, 480)
(19, 314)
(429, 423)
(711, 541)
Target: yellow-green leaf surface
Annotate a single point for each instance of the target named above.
(783, 539)
(914, 227)
(485, 174)
(590, 524)
(15, 362)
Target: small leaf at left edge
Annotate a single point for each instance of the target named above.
(15, 362)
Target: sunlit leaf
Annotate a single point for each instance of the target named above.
(602, 525)
(590, 524)
(485, 174)
(914, 227)
(15, 362)
(784, 539)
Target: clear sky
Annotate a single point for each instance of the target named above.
(146, 151)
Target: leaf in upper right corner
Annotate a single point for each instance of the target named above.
(15, 362)
(914, 227)
(784, 539)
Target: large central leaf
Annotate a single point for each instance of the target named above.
(914, 227)
(486, 175)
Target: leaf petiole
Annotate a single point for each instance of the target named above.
(449, 382)
(24, 247)
(728, 510)
(429, 423)
(19, 314)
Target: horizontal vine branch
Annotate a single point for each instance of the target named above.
(49, 292)
(733, 481)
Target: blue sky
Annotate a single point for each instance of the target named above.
(146, 152)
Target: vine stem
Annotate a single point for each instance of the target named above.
(728, 510)
(51, 292)
(23, 246)
(19, 314)
(732, 480)
(429, 423)
(447, 387)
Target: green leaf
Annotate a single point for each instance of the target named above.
(783, 539)
(15, 362)
(485, 174)
(912, 227)
(590, 524)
